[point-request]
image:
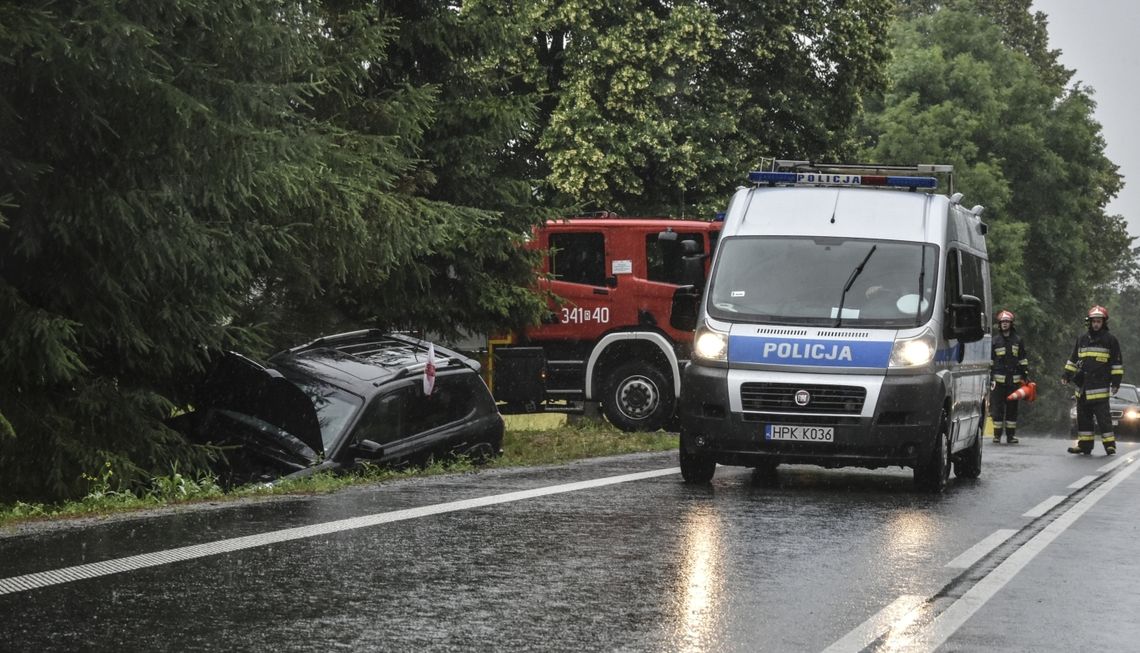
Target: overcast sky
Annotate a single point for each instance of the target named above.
(1098, 38)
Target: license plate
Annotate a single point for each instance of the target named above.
(799, 433)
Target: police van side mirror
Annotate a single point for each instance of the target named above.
(966, 319)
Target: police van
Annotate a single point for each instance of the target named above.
(844, 323)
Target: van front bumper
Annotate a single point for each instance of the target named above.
(899, 430)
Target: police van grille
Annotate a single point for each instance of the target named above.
(848, 335)
(802, 420)
(772, 331)
(781, 398)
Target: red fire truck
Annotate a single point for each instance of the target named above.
(620, 286)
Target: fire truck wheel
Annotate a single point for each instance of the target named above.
(638, 397)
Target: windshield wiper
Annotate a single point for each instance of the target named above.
(850, 282)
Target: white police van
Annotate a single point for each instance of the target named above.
(844, 323)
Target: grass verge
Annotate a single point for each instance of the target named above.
(529, 440)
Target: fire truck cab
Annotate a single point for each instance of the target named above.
(623, 289)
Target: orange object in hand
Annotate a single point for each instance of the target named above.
(1027, 391)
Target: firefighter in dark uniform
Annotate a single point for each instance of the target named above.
(1096, 368)
(1009, 370)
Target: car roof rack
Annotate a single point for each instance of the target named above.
(386, 349)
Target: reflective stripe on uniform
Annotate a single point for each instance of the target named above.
(1101, 354)
(1093, 394)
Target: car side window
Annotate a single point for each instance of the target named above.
(578, 258)
(953, 286)
(974, 272)
(407, 411)
(452, 399)
(383, 421)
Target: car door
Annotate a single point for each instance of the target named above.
(412, 427)
(966, 274)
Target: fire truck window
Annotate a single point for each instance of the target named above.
(663, 257)
(578, 258)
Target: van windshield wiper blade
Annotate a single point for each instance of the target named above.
(850, 282)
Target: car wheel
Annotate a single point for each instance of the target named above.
(696, 469)
(481, 453)
(969, 462)
(638, 397)
(932, 474)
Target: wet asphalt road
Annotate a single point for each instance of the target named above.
(849, 559)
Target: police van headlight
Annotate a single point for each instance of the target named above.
(710, 345)
(913, 352)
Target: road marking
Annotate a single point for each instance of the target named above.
(1045, 506)
(895, 617)
(947, 623)
(40, 579)
(1108, 467)
(1081, 482)
(979, 550)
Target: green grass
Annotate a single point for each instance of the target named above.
(530, 440)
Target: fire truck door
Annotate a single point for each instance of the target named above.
(581, 278)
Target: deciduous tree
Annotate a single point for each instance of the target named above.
(975, 87)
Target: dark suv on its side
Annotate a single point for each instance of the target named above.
(339, 401)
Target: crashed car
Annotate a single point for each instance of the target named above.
(1125, 409)
(340, 401)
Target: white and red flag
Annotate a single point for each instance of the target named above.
(429, 370)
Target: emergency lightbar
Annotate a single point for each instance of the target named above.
(833, 179)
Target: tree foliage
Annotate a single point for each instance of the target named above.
(182, 177)
(652, 107)
(196, 175)
(972, 84)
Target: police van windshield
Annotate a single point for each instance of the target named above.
(802, 280)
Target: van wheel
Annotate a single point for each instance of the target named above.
(638, 397)
(969, 462)
(696, 469)
(933, 474)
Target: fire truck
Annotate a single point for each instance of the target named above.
(620, 288)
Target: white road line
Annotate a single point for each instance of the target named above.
(131, 563)
(947, 623)
(897, 616)
(979, 550)
(1081, 482)
(1120, 460)
(1045, 506)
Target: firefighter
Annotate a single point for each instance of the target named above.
(1009, 370)
(1096, 368)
